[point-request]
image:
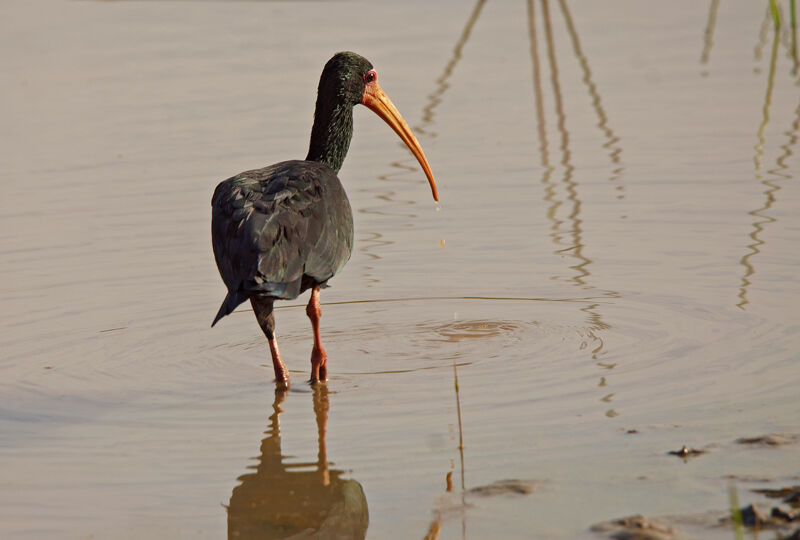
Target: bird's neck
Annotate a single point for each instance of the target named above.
(331, 134)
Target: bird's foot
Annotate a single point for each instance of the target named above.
(319, 365)
(323, 372)
(282, 379)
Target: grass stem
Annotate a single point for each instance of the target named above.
(736, 514)
(776, 16)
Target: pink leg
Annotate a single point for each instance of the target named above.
(281, 373)
(262, 307)
(319, 360)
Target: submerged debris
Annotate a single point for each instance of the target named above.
(636, 527)
(783, 522)
(780, 514)
(790, 495)
(784, 525)
(504, 487)
(686, 452)
(756, 517)
(753, 517)
(772, 439)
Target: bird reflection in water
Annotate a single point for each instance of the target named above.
(298, 500)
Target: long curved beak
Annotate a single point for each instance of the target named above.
(380, 104)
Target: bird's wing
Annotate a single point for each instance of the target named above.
(265, 225)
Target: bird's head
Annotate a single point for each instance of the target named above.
(343, 77)
(352, 79)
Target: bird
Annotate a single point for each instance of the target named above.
(280, 230)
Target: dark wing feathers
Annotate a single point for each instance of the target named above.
(276, 227)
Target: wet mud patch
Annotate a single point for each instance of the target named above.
(784, 522)
(773, 439)
(685, 452)
(789, 495)
(512, 487)
(636, 527)
(778, 513)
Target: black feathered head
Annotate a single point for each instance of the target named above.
(342, 78)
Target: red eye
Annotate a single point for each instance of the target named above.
(370, 76)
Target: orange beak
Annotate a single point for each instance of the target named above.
(380, 104)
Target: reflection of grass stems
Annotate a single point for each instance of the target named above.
(793, 18)
(436, 525)
(763, 219)
(442, 84)
(537, 92)
(708, 37)
(762, 35)
(460, 431)
(767, 101)
(460, 452)
(736, 514)
(602, 122)
(434, 529)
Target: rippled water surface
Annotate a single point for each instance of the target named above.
(613, 272)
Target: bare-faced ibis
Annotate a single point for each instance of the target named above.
(288, 227)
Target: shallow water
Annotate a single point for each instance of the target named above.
(617, 249)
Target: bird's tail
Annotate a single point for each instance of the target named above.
(231, 302)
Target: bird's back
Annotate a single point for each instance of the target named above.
(279, 230)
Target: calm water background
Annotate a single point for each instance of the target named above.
(617, 249)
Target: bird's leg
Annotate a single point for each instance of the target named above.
(319, 360)
(262, 307)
